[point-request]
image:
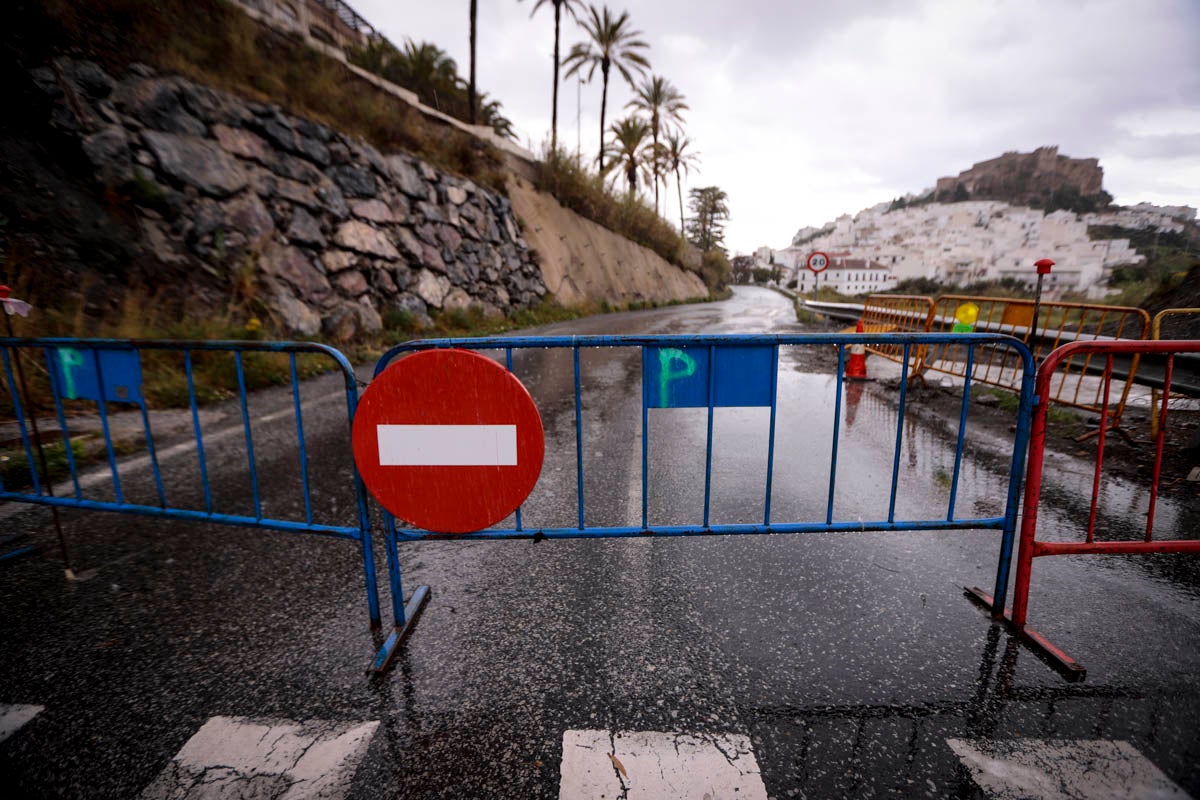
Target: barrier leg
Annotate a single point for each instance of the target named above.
(405, 615)
(1067, 666)
(370, 576)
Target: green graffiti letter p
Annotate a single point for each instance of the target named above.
(70, 359)
(673, 365)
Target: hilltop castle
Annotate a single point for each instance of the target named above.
(1041, 179)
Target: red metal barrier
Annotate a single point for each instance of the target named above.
(1030, 547)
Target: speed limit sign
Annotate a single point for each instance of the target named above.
(818, 261)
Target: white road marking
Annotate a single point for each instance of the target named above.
(1034, 769)
(447, 445)
(653, 765)
(234, 756)
(13, 717)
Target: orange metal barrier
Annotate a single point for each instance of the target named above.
(1156, 333)
(898, 313)
(1079, 383)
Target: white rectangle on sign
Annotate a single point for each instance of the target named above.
(447, 445)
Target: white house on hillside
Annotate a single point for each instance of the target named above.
(846, 274)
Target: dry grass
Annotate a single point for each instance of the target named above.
(145, 315)
(565, 177)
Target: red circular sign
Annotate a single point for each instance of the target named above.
(817, 261)
(448, 440)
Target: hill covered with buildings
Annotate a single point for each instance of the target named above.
(991, 223)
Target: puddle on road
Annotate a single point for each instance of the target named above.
(804, 461)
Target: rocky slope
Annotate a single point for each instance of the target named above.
(145, 178)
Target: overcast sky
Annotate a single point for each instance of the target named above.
(802, 110)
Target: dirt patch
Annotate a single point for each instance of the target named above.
(1129, 451)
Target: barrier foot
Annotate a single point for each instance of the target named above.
(20, 551)
(1066, 666)
(1083, 437)
(15, 539)
(412, 610)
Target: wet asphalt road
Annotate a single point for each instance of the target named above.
(848, 660)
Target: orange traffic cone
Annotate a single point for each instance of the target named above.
(856, 366)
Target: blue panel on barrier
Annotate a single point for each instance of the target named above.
(121, 369)
(677, 377)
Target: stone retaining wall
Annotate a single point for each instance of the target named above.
(336, 232)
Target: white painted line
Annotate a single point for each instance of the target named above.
(658, 765)
(1033, 769)
(13, 717)
(447, 445)
(238, 757)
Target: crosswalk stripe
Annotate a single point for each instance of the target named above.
(13, 717)
(288, 760)
(1035, 769)
(654, 764)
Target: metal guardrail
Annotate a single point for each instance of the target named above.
(755, 379)
(95, 374)
(346, 15)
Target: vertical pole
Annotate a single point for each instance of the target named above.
(1043, 268)
(37, 437)
(471, 87)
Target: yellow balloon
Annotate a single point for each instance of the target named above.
(967, 313)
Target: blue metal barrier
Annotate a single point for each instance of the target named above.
(92, 374)
(730, 370)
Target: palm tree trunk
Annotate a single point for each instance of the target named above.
(471, 87)
(603, 107)
(679, 186)
(554, 106)
(655, 165)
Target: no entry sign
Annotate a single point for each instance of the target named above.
(448, 440)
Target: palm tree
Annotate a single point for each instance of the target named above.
(679, 158)
(559, 6)
(658, 162)
(425, 68)
(490, 115)
(471, 86)
(627, 149)
(613, 44)
(662, 102)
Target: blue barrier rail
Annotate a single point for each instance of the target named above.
(90, 375)
(730, 370)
